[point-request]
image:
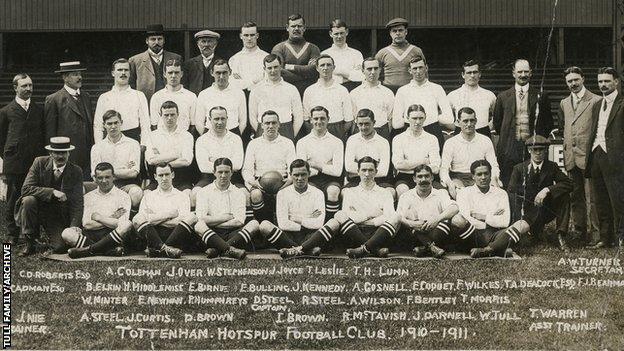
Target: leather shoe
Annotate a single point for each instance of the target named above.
(170, 251)
(291, 252)
(235, 253)
(563, 245)
(79, 252)
(212, 253)
(117, 251)
(358, 252)
(420, 251)
(382, 252)
(479, 252)
(315, 252)
(597, 246)
(29, 249)
(436, 251)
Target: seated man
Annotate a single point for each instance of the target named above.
(269, 152)
(413, 147)
(426, 214)
(483, 219)
(173, 147)
(325, 154)
(221, 215)
(367, 218)
(123, 153)
(462, 150)
(52, 197)
(540, 191)
(105, 220)
(165, 216)
(300, 215)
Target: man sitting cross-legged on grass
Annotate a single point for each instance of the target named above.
(105, 219)
(300, 211)
(165, 216)
(367, 219)
(484, 216)
(220, 209)
(426, 214)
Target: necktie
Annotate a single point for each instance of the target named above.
(604, 104)
(76, 96)
(57, 174)
(521, 94)
(25, 106)
(575, 100)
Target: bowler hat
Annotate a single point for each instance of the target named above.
(60, 143)
(154, 29)
(71, 66)
(537, 141)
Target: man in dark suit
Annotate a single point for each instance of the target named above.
(68, 113)
(605, 158)
(197, 75)
(51, 196)
(21, 140)
(147, 68)
(515, 116)
(539, 191)
(575, 118)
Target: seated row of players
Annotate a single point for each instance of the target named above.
(426, 217)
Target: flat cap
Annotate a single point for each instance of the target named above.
(207, 34)
(397, 21)
(537, 141)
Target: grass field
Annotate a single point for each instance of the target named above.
(602, 306)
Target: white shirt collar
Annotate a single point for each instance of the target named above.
(151, 53)
(336, 47)
(55, 167)
(71, 91)
(524, 88)
(580, 94)
(250, 51)
(118, 88)
(611, 96)
(22, 102)
(209, 58)
(536, 166)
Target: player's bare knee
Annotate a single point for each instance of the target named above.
(190, 219)
(123, 226)
(392, 192)
(333, 193)
(71, 235)
(394, 219)
(333, 224)
(458, 221)
(341, 217)
(139, 220)
(255, 196)
(252, 226)
(266, 227)
(522, 226)
(200, 227)
(401, 189)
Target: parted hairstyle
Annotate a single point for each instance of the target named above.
(18, 77)
(319, 109)
(222, 161)
(479, 163)
(110, 114)
(217, 108)
(416, 108)
(421, 167)
(169, 104)
(219, 62)
(299, 163)
(367, 159)
(609, 70)
(104, 166)
(464, 110)
(269, 113)
(573, 69)
(119, 60)
(363, 113)
(270, 58)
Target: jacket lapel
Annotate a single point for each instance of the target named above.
(70, 101)
(48, 172)
(543, 173)
(583, 104)
(147, 61)
(617, 104)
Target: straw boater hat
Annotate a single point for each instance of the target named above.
(60, 143)
(71, 66)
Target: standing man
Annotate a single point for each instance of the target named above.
(275, 94)
(575, 117)
(197, 70)
(174, 91)
(395, 58)
(371, 94)
(430, 95)
(247, 67)
(130, 103)
(224, 94)
(146, 68)
(68, 113)
(298, 55)
(21, 140)
(605, 158)
(328, 92)
(520, 112)
(51, 197)
(480, 100)
(348, 60)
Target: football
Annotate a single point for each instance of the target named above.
(271, 182)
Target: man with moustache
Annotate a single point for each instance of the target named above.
(130, 103)
(298, 55)
(174, 91)
(329, 93)
(470, 94)
(520, 112)
(371, 94)
(426, 214)
(21, 140)
(395, 58)
(462, 150)
(68, 113)
(275, 94)
(575, 118)
(605, 159)
(348, 61)
(222, 93)
(51, 197)
(146, 68)
(246, 65)
(197, 70)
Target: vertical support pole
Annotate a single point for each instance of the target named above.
(187, 42)
(561, 47)
(1, 51)
(373, 42)
(617, 32)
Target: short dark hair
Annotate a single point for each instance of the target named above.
(418, 58)
(269, 113)
(172, 63)
(469, 63)
(163, 165)
(216, 108)
(363, 113)
(421, 167)
(119, 60)
(337, 23)
(416, 108)
(249, 24)
(609, 70)
(319, 109)
(370, 58)
(299, 163)
(222, 161)
(296, 16)
(18, 77)
(219, 62)
(324, 56)
(480, 163)
(104, 166)
(110, 114)
(367, 159)
(573, 69)
(270, 58)
(465, 110)
(169, 104)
